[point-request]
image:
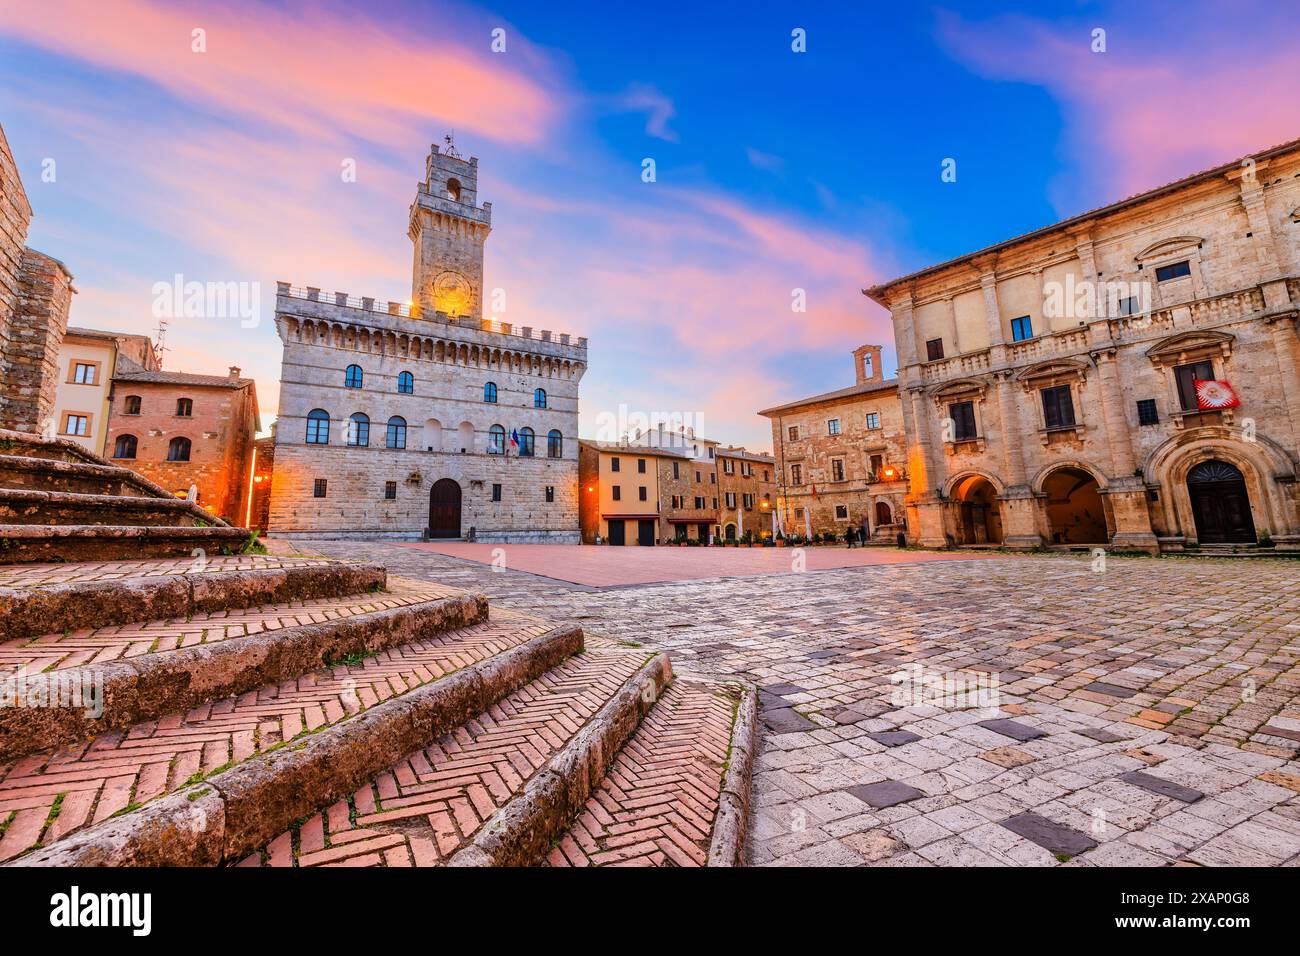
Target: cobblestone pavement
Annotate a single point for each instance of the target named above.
(1141, 714)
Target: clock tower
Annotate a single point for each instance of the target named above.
(448, 228)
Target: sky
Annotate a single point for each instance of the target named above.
(779, 174)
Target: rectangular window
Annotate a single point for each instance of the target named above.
(731, 499)
(713, 477)
(75, 424)
(710, 451)
(1058, 406)
(1147, 412)
(934, 350)
(617, 492)
(837, 469)
(640, 466)
(1021, 329)
(963, 420)
(1128, 306)
(496, 492)
(699, 504)
(641, 493)
(877, 462)
(676, 469)
(390, 490)
(793, 432)
(749, 502)
(765, 475)
(1187, 376)
(1175, 270)
(841, 512)
(798, 512)
(698, 477)
(84, 373)
(614, 464)
(715, 504)
(550, 494)
(796, 474)
(833, 426)
(873, 421)
(319, 487)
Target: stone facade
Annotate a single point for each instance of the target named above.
(1048, 382)
(15, 217)
(87, 362)
(842, 457)
(154, 414)
(620, 492)
(411, 409)
(746, 493)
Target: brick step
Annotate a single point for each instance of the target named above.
(45, 543)
(38, 599)
(216, 782)
(94, 681)
(51, 449)
(678, 793)
(494, 791)
(26, 506)
(48, 474)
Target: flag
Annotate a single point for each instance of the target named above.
(1215, 394)
(514, 437)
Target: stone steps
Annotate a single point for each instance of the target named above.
(38, 599)
(95, 681)
(46, 542)
(266, 757)
(49, 474)
(677, 793)
(26, 506)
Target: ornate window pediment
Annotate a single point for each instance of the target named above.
(1189, 346)
(1172, 246)
(959, 388)
(1053, 371)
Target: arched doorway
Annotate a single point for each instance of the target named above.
(444, 509)
(979, 516)
(1075, 513)
(730, 532)
(883, 515)
(1220, 504)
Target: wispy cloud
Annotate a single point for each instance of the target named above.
(659, 109)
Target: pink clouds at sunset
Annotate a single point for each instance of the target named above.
(1165, 98)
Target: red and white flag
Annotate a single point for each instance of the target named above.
(1215, 394)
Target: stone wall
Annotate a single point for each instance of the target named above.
(15, 216)
(757, 519)
(31, 361)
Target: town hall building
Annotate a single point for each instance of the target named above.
(426, 419)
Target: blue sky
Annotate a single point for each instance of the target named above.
(775, 170)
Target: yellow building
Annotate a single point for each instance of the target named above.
(87, 363)
(619, 492)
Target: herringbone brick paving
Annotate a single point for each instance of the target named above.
(37, 575)
(99, 645)
(425, 808)
(44, 797)
(656, 804)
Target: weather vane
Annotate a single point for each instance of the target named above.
(450, 140)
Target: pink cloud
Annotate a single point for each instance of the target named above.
(305, 67)
(1153, 107)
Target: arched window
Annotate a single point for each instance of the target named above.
(554, 444)
(406, 383)
(131, 406)
(397, 432)
(539, 398)
(453, 190)
(124, 447)
(527, 440)
(352, 377)
(433, 435)
(178, 450)
(496, 440)
(490, 392)
(184, 407)
(318, 427)
(359, 429)
(465, 437)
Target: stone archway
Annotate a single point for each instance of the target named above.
(444, 509)
(1075, 512)
(883, 514)
(979, 513)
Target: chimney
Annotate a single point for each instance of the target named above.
(234, 373)
(866, 363)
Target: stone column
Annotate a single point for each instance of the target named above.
(1019, 506)
(1286, 345)
(1126, 491)
(924, 474)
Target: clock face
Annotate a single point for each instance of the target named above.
(452, 294)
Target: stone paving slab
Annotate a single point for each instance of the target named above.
(38, 575)
(1214, 662)
(1165, 788)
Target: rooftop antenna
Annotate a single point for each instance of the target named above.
(450, 140)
